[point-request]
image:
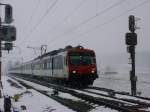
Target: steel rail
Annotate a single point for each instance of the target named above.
(118, 105)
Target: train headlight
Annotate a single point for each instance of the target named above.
(74, 71)
(92, 71)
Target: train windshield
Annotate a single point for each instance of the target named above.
(82, 58)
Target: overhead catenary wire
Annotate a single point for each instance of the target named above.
(96, 6)
(44, 15)
(40, 20)
(69, 15)
(77, 26)
(32, 15)
(112, 19)
(103, 23)
(117, 17)
(66, 17)
(87, 20)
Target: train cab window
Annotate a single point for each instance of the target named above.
(81, 58)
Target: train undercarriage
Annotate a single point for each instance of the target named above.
(73, 81)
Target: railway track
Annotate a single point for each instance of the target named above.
(127, 98)
(102, 99)
(107, 91)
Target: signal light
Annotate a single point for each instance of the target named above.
(131, 23)
(131, 39)
(8, 33)
(8, 46)
(8, 14)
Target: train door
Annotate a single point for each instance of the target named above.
(65, 67)
(52, 66)
(40, 68)
(58, 66)
(32, 68)
(61, 66)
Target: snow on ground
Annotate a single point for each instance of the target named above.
(49, 90)
(11, 90)
(37, 102)
(67, 96)
(97, 91)
(121, 82)
(33, 100)
(1, 104)
(103, 109)
(119, 95)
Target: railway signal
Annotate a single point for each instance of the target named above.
(131, 39)
(7, 34)
(131, 23)
(8, 46)
(8, 14)
(131, 42)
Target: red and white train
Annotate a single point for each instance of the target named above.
(72, 65)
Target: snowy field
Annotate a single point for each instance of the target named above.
(121, 82)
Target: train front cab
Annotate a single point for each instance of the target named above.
(82, 67)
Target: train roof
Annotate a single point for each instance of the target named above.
(55, 52)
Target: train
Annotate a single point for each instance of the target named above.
(75, 66)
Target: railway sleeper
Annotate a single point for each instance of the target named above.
(137, 102)
(101, 101)
(138, 106)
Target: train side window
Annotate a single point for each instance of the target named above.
(64, 61)
(45, 65)
(50, 63)
(42, 65)
(58, 62)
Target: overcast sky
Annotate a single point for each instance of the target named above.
(96, 24)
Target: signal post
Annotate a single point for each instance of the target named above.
(131, 42)
(0, 66)
(7, 35)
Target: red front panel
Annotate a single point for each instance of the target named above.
(82, 69)
(78, 66)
